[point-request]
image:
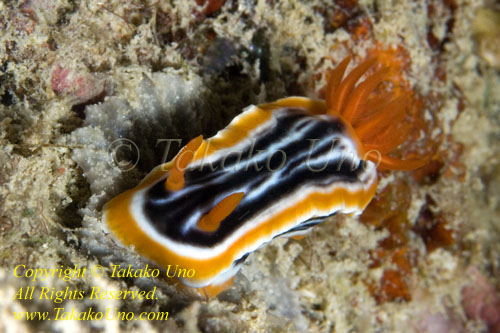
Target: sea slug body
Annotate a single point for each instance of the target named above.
(276, 169)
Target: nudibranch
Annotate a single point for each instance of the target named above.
(276, 170)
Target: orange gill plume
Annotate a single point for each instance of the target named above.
(379, 118)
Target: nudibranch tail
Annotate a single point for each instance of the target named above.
(379, 122)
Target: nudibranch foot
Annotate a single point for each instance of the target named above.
(215, 289)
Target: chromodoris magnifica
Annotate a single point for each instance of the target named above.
(276, 170)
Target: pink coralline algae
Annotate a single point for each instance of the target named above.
(80, 88)
(481, 300)
(438, 323)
